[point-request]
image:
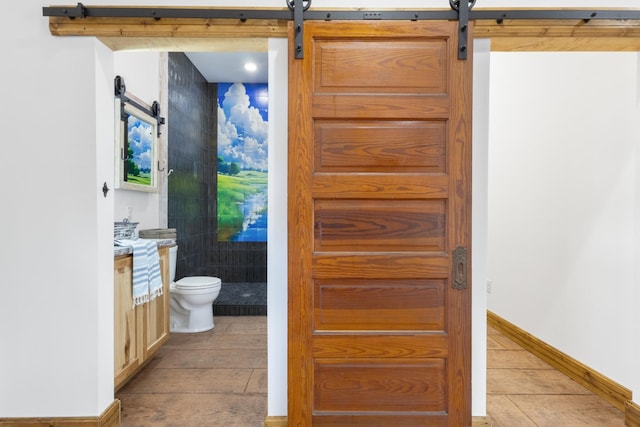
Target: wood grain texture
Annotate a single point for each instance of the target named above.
(139, 331)
(380, 66)
(156, 312)
(379, 185)
(594, 381)
(459, 217)
(481, 422)
(128, 344)
(631, 414)
(187, 44)
(378, 266)
(178, 28)
(560, 35)
(556, 28)
(271, 421)
(401, 386)
(380, 225)
(300, 238)
(382, 420)
(412, 305)
(379, 196)
(348, 146)
(408, 106)
(410, 344)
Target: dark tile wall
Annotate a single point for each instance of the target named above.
(192, 127)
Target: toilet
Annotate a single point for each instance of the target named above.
(191, 306)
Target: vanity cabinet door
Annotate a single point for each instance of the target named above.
(156, 329)
(128, 342)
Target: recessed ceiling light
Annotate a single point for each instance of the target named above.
(250, 66)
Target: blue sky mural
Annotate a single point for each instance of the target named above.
(243, 124)
(140, 141)
(242, 161)
(139, 152)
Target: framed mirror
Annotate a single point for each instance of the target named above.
(137, 148)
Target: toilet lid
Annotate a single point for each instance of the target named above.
(197, 282)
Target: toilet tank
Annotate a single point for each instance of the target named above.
(173, 252)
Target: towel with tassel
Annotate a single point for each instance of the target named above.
(155, 279)
(147, 281)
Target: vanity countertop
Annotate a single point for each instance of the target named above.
(128, 250)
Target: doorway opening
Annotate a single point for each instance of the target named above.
(275, 249)
(218, 151)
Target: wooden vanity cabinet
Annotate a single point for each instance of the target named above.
(127, 340)
(156, 330)
(138, 331)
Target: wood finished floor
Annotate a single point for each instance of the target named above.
(219, 379)
(524, 391)
(214, 378)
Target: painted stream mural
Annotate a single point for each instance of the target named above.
(242, 162)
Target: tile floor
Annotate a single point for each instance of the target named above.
(219, 378)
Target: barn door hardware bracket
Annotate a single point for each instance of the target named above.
(80, 11)
(120, 92)
(298, 8)
(463, 7)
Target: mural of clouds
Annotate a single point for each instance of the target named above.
(243, 125)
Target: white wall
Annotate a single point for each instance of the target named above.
(104, 136)
(141, 73)
(480, 132)
(634, 375)
(277, 267)
(53, 308)
(563, 200)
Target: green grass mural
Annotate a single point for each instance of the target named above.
(232, 192)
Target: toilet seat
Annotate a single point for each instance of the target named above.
(197, 282)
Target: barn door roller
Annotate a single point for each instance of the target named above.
(298, 11)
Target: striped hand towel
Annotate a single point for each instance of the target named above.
(147, 282)
(155, 279)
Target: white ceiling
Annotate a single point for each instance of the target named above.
(228, 67)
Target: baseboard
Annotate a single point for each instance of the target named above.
(592, 380)
(481, 422)
(275, 422)
(109, 418)
(282, 422)
(632, 414)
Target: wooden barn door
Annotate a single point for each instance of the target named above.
(379, 226)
